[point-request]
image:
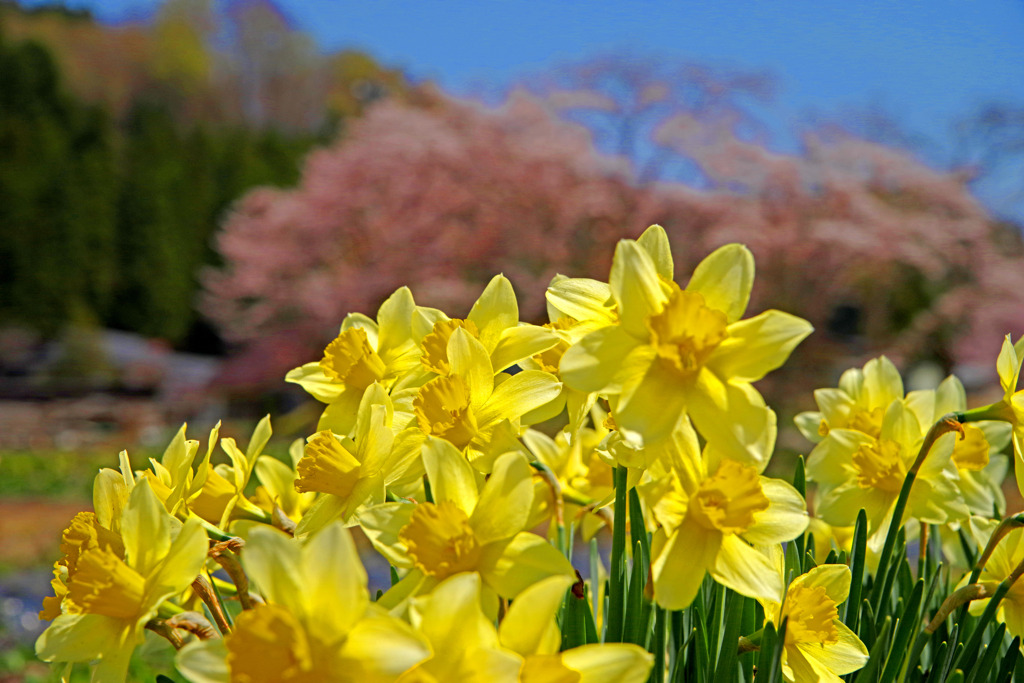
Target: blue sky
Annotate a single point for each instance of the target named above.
(924, 61)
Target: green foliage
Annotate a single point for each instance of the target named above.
(112, 223)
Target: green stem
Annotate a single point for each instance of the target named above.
(617, 579)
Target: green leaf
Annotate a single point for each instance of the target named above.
(703, 658)
(908, 624)
(576, 630)
(637, 611)
(857, 562)
(869, 674)
(985, 663)
(658, 645)
(617, 571)
(1010, 660)
(728, 654)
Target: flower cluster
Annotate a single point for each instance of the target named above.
(450, 443)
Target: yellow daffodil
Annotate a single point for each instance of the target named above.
(318, 623)
(584, 477)
(855, 470)
(709, 510)
(464, 644)
(858, 403)
(819, 647)
(214, 493)
(351, 472)
(1004, 560)
(100, 529)
(977, 455)
(1011, 407)
(493, 320)
(676, 351)
(364, 352)
(277, 484)
(529, 629)
(472, 409)
(828, 538)
(464, 529)
(111, 598)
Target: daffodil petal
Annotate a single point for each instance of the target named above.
(469, 360)
(311, 377)
(517, 343)
(655, 400)
(655, 241)
(340, 414)
(808, 669)
(394, 324)
(273, 563)
(364, 323)
(839, 505)
(334, 581)
(145, 529)
(80, 637)
(381, 524)
(185, 559)
(733, 418)
(592, 364)
(451, 616)
(524, 561)
(636, 287)
(495, 311)
(840, 658)
(521, 393)
(809, 424)
(900, 424)
(758, 345)
(786, 516)
(204, 661)
(829, 462)
(950, 396)
(609, 662)
(882, 382)
(1008, 367)
(725, 278)
(324, 510)
(582, 299)
(746, 571)
(834, 578)
(529, 626)
(451, 477)
(681, 562)
(380, 648)
(503, 508)
(835, 405)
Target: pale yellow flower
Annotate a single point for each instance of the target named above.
(364, 352)
(463, 641)
(111, 598)
(858, 403)
(351, 472)
(855, 470)
(477, 412)
(529, 629)
(675, 352)
(819, 648)
(318, 623)
(709, 511)
(493, 321)
(464, 529)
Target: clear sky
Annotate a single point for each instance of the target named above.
(925, 61)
